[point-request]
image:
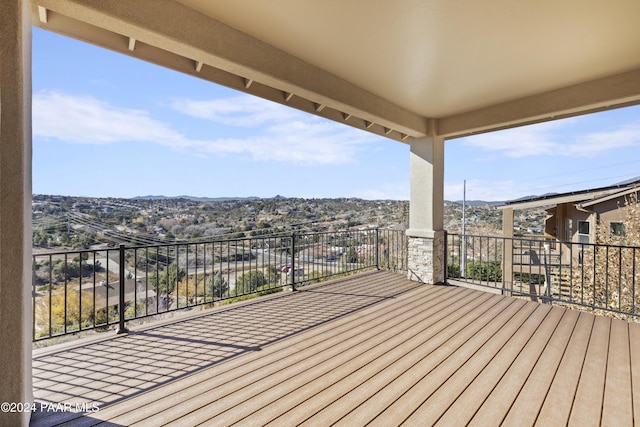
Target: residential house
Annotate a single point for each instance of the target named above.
(575, 217)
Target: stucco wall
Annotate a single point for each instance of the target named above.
(15, 208)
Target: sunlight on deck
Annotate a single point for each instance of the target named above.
(371, 348)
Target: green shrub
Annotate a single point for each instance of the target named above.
(490, 271)
(453, 270)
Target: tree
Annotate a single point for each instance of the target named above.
(250, 282)
(40, 237)
(217, 286)
(273, 274)
(166, 282)
(63, 312)
(352, 255)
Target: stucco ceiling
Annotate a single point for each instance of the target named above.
(443, 57)
(409, 67)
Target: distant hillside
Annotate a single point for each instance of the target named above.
(195, 199)
(476, 203)
(498, 203)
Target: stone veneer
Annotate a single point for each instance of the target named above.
(426, 258)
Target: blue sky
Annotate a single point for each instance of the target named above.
(106, 125)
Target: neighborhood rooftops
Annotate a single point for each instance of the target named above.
(590, 196)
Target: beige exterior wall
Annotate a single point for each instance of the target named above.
(558, 226)
(550, 223)
(600, 216)
(426, 214)
(611, 211)
(578, 216)
(15, 208)
(426, 163)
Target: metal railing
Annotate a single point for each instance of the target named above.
(90, 289)
(597, 278)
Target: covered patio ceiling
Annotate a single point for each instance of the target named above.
(407, 68)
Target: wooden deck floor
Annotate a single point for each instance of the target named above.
(370, 349)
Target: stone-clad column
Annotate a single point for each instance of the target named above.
(15, 208)
(426, 234)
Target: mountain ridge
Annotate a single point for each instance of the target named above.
(196, 198)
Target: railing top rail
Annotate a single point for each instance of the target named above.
(540, 241)
(76, 251)
(287, 234)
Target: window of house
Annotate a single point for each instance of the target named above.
(568, 229)
(616, 228)
(583, 227)
(583, 231)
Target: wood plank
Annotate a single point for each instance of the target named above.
(304, 367)
(347, 393)
(527, 405)
(498, 403)
(557, 405)
(425, 376)
(470, 400)
(271, 360)
(587, 404)
(617, 409)
(430, 411)
(327, 367)
(371, 348)
(291, 306)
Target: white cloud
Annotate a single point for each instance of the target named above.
(551, 139)
(596, 143)
(87, 120)
(282, 134)
(244, 110)
(285, 134)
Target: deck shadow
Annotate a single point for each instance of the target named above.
(117, 368)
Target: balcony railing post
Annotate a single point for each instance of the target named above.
(121, 328)
(292, 270)
(547, 276)
(377, 243)
(445, 256)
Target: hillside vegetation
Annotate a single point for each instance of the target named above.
(64, 222)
